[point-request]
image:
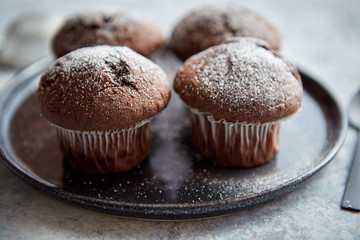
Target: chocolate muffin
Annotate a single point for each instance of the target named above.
(238, 92)
(104, 28)
(210, 25)
(101, 101)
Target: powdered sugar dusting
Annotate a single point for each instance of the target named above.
(104, 70)
(236, 19)
(241, 78)
(111, 83)
(210, 25)
(110, 20)
(114, 28)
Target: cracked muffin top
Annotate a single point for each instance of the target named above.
(120, 28)
(241, 80)
(102, 88)
(210, 25)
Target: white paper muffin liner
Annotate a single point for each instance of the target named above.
(238, 144)
(106, 152)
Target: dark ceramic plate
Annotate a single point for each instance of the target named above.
(173, 182)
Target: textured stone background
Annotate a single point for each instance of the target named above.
(321, 36)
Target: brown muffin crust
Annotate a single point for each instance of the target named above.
(104, 28)
(241, 80)
(210, 25)
(102, 88)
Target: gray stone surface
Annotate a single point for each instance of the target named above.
(323, 38)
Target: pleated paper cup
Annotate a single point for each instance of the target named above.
(106, 152)
(238, 144)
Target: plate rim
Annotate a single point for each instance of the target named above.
(178, 211)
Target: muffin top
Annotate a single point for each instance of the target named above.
(212, 24)
(108, 28)
(241, 80)
(102, 88)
